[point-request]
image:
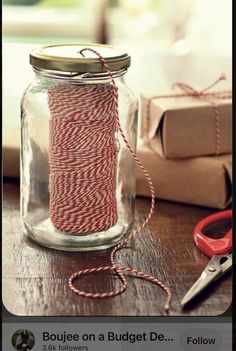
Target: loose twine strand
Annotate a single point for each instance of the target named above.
(59, 217)
(204, 95)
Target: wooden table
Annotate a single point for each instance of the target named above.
(35, 278)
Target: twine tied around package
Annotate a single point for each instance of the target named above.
(204, 95)
(83, 157)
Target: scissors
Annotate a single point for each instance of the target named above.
(219, 250)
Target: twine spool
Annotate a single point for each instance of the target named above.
(82, 158)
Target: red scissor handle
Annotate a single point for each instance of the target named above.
(208, 246)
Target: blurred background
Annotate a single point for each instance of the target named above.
(168, 40)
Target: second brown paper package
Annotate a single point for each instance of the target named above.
(204, 181)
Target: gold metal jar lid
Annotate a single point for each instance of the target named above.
(68, 58)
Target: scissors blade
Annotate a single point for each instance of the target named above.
(203, 281)
(216, 267)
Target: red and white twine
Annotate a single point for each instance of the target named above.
(83, 156)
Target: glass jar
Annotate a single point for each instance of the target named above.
(77, 174)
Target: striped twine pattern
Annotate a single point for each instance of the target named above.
(83, 157)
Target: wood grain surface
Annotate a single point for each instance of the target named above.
(35, 278)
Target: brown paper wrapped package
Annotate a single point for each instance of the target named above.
(204, 181)
(182, 127)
